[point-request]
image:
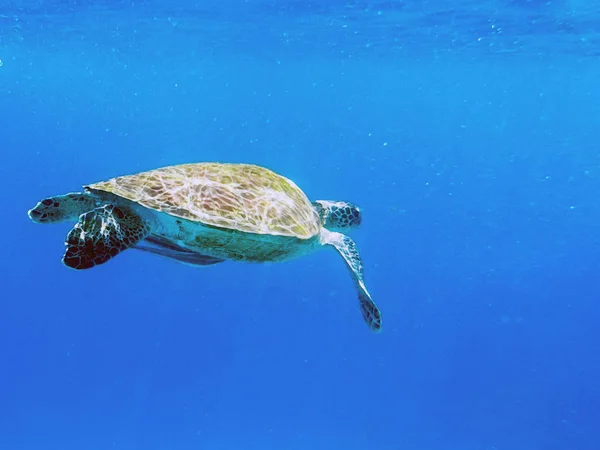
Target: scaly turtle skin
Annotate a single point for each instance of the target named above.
(203, 214)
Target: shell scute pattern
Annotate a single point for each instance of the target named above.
(240, 197)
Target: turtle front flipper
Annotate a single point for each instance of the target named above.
(62, 207)
(347, 248)
(101, 234)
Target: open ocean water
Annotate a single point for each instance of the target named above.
(467, 132)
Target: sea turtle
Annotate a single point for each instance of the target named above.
(202, 214)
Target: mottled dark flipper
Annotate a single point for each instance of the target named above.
(347, 248)
(62, 207)
(102, 234)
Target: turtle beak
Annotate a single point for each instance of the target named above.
(358, 214)
(35, 215)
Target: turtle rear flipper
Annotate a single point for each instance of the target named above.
(182, 256)
(101, 234)
(347, 248)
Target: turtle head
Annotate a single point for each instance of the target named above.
(338, 216)
(62, 208)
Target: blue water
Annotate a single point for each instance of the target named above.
(466, 131)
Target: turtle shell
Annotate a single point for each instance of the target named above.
(241, 197)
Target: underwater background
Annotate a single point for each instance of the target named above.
(466, 131)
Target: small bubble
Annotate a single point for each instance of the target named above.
(1, 63)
